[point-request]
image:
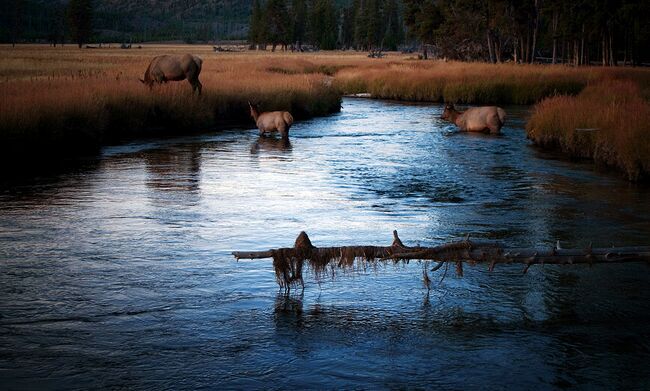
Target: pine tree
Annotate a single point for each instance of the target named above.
(393, 35)
(299, 22)
(347, 27)
(256, 28)
(360, 25)
(278, 23)
(423, 19)
(324, 24)
(374, 25)
(80, 16)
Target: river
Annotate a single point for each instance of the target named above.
(118, 274)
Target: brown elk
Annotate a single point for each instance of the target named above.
(170, 68)
(487, 119)
(272, 121)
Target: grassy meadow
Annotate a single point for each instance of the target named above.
(68, 101)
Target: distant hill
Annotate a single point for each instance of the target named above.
(190, 20)
(130, 20)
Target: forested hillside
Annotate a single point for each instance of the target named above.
(129, 20)
(580, 32)
(188, 20)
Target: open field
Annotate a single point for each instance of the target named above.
(65, 100)
(72, 99)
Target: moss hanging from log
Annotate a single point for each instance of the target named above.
(289, 262)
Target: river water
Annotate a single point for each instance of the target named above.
(118, 273)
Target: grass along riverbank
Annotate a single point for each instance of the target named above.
(66, 101)
(608, 122)
(475, 83)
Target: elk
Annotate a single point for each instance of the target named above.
(487, 119)
(170, 68)
(272, 121)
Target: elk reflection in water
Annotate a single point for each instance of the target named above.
(270, 144)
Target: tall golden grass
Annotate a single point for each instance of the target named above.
(464, 82)
(608, 122)
(70, 100)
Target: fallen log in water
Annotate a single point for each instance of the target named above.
(288, 262)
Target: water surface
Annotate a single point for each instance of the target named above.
(119, 274)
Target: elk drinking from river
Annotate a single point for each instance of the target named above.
(487, 119)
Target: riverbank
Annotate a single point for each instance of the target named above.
(602, 114)
(475, 83)
(608, 122)
(471, 83)
(61, 102)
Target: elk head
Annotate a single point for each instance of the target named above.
(447, 113)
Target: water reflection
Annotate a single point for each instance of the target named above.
(288, 310)
(175, 169)
(144, 283)
(270, 144)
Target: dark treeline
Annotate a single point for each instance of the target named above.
(607, 32)
(578, 32)
(327, 25)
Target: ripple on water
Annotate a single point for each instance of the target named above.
(120, 275)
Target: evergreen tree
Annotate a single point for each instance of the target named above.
(80, 15)
(278, 23)
(394, 34)
(423, 20)
(347, 27)
(256, 27)
(324, 24)
(361, 25)
(299, 22)
(56, 25)
(374, 26)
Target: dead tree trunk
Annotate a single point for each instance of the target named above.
(490, 47)
(535, 30)
(289, 262)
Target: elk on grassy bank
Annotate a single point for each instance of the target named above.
(488, 119)
(272, 121)
(171, 68)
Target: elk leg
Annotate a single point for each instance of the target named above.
(494, 129)
(284, 132)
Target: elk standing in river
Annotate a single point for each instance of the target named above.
(272, 121)
(487, 119)
(170, 68)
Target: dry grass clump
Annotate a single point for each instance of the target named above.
(463, 82)
(608, 122)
